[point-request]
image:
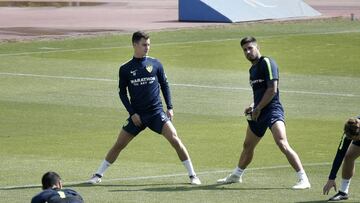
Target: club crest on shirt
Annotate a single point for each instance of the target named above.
(149, 68)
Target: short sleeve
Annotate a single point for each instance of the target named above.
(271, 70)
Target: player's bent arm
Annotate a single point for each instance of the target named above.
(125, 100)
(266, 99)
(167, 96)
(164, 84)
(123, 93)
(339, 157)
(269, 94)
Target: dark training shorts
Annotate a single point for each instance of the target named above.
(357, 143)
(266, 120)
(153, 121)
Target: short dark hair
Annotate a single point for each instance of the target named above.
(137, 36)
(351, 128)
(246, 40)
(50, 179)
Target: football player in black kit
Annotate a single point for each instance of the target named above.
(349, 151)
(53, 191)
(140, 81)
(265, 112)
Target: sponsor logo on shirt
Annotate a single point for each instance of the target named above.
(133, 72)
(253, 82)
(142, 81)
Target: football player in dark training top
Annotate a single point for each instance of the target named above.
(140, 81)
(265, 112)
(53, 191)
(349, 151)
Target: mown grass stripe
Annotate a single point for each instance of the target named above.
(177, 84)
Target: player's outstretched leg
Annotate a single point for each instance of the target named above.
(169, 132)
(122, 141)
(279, 133)
(251, 140)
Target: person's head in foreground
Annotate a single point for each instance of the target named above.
(352, 129)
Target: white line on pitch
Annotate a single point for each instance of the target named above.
(57, 77)
(165, 176)
(172, 43)
(179, 85)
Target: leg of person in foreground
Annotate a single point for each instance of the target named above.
(251, 140)
(348, 171)
(279, 133)
(122, 141)
(169, 132)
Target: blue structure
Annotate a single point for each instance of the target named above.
(242, 10)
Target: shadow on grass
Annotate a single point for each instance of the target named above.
(183, 188)
(90, 185)
(39, 186)
(155, 187)
(119, 185)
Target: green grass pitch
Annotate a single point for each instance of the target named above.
(59, 110)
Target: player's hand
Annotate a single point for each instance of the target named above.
(255, 114)
(248, 110)
(328, 186)
(136, 119)
(170, 114)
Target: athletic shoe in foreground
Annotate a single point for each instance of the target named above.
(301, 185)
(232, 178)
(96, 178)
(194, 180)
(339, 196)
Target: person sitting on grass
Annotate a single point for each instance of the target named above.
(53, 191)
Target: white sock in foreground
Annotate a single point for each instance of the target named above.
(302, 175)
(238, 171)
(345, 184)
(103, 166)
(303, 181)
(189, 167)
(194, 180)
